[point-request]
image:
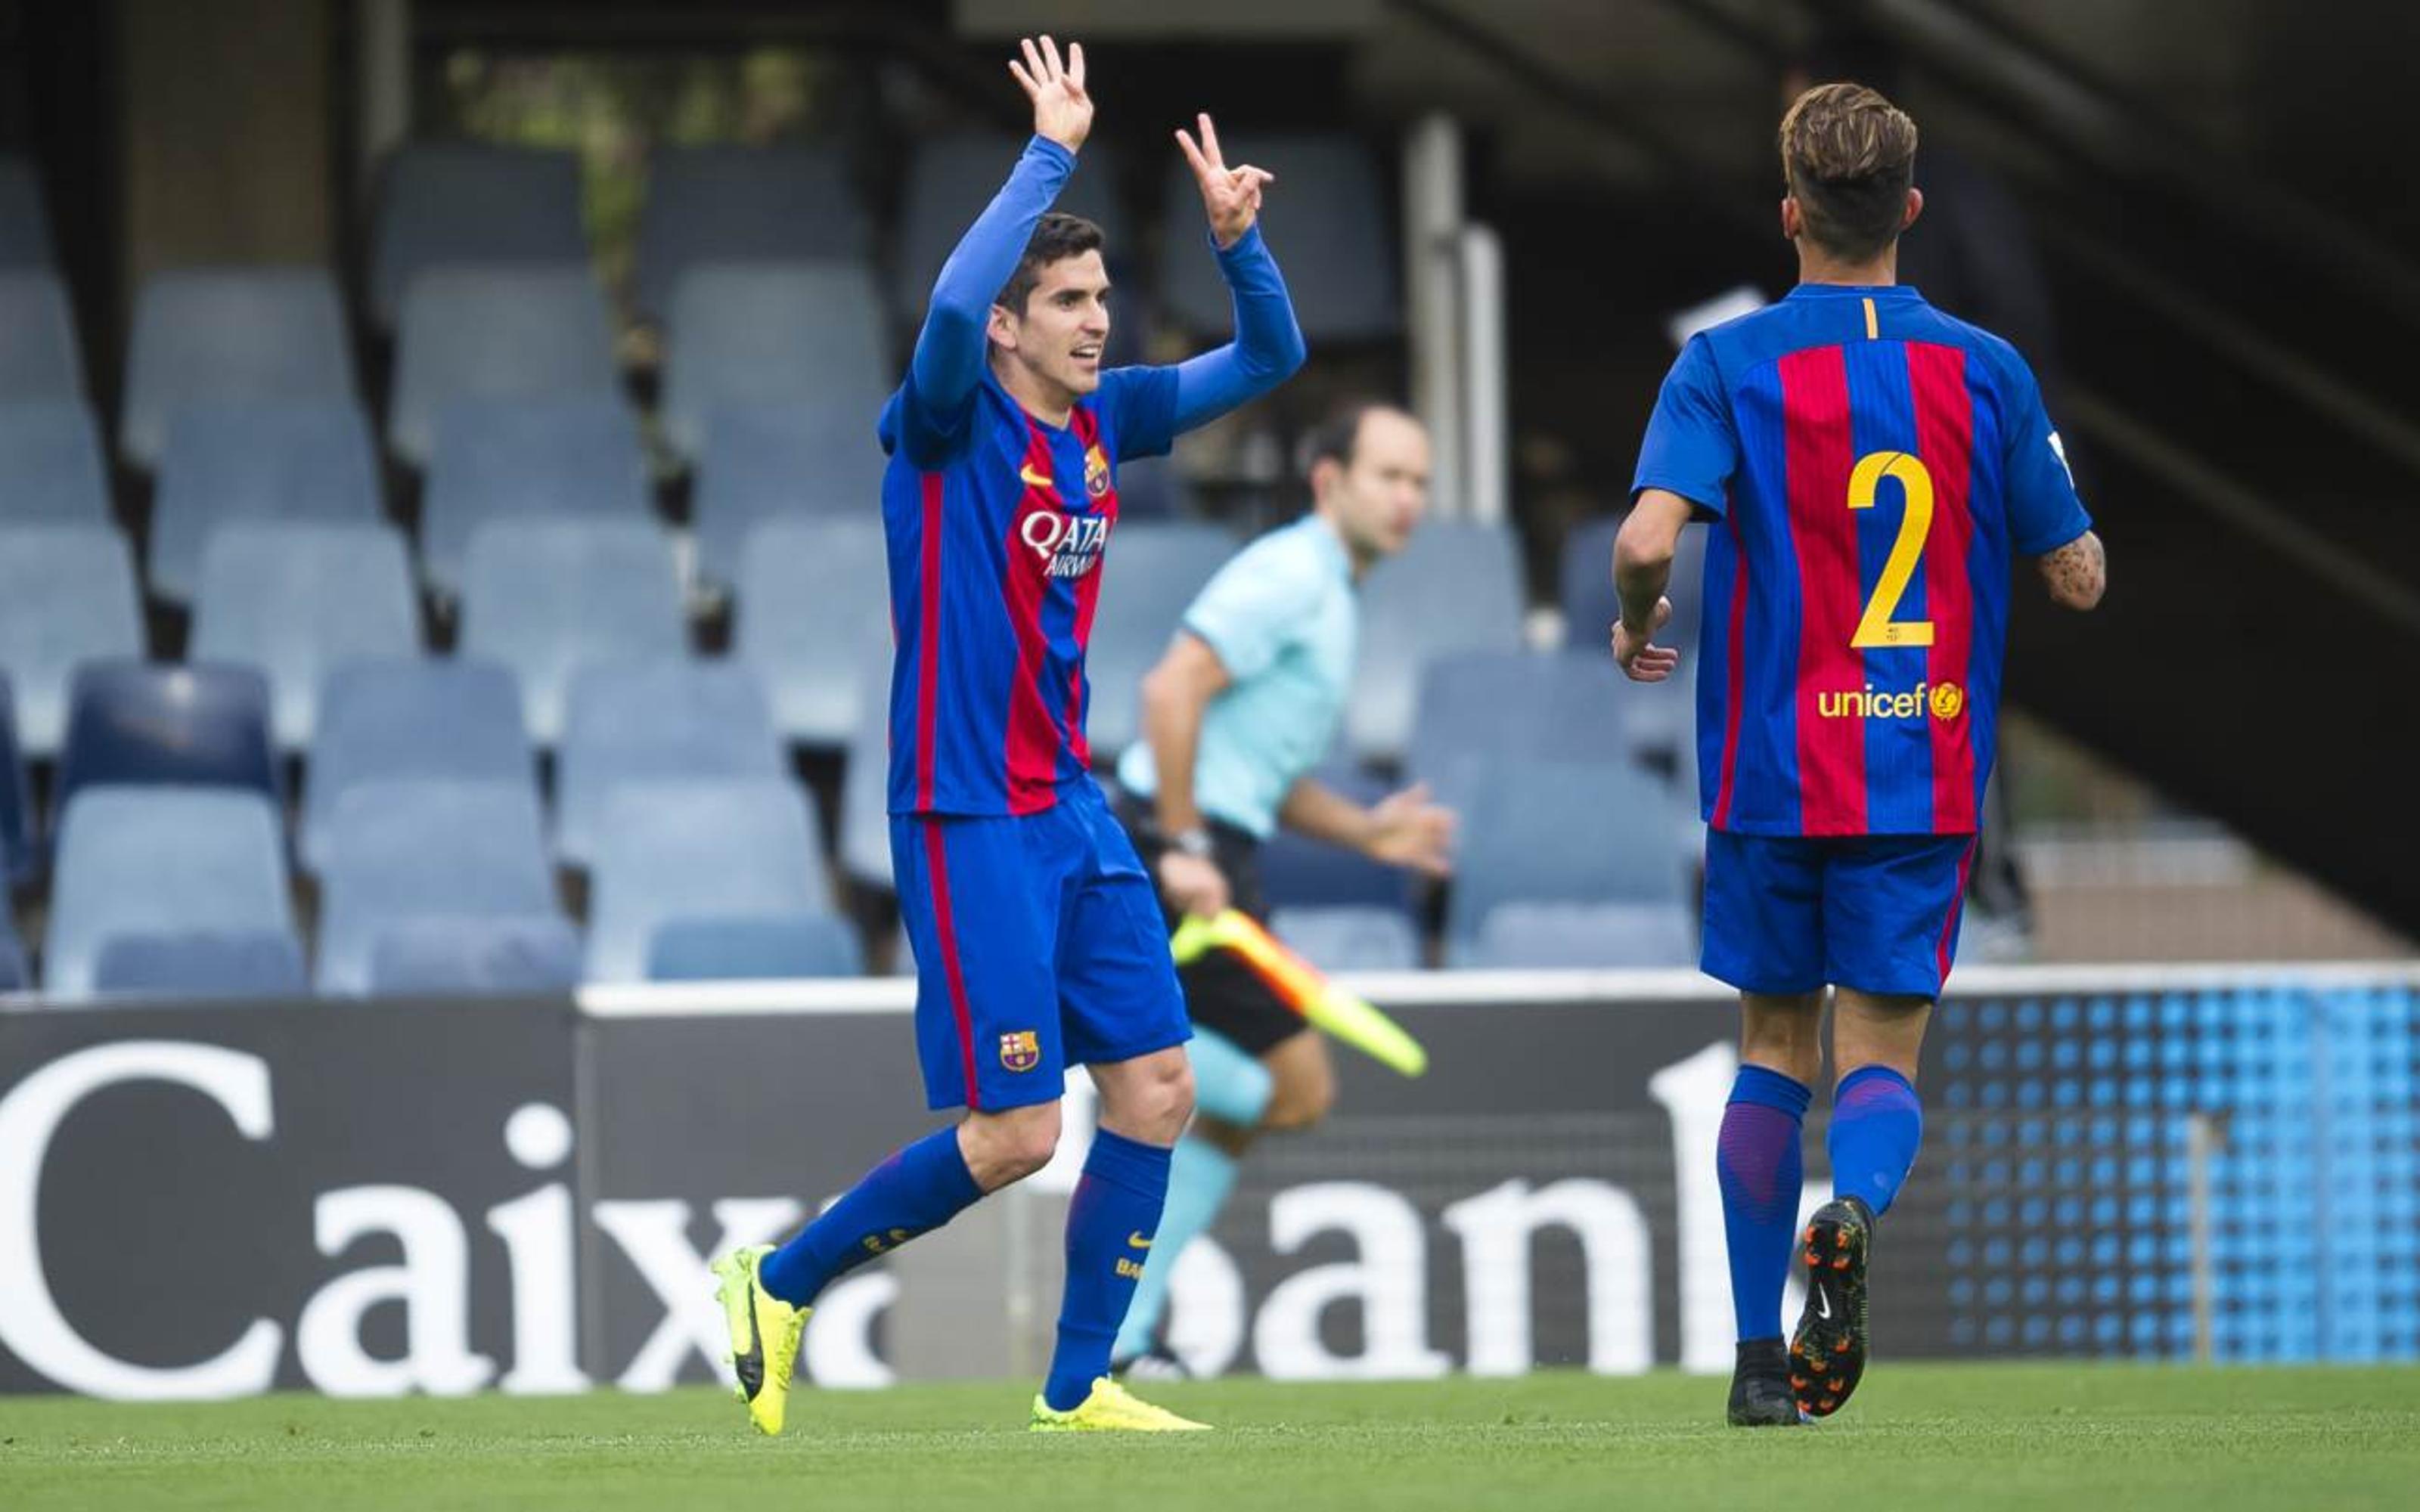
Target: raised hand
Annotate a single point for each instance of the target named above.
(1231, 195)
(1062, 111)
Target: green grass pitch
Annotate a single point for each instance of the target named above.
(1917, 1436)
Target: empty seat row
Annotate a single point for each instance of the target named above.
(432, 885)
(543, 597)
(453, 202)
(444, 203)
(480, 264)
(146, 724)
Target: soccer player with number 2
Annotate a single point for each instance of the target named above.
(1869, 466)
(1037, 934)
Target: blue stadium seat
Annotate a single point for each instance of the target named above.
(1564, 832)
(1297, 872)
(20, 857)
(1662, 715)
(405, 853)
(1561, 937)
(246, 963)
(524, 458)
(451, 957)
(464, 202)
(865, 779)
(25, 223)
(15, 976)
(805, 334)
(160, 860)
(386, 721)
(231, 336)
(724, 203)
(296, 600)
(1329, 223)
(754, 950)
(953, 177)
(654, 721)
(1477, 707)
(476, 333)
(547, 598)
(298, 459)
(1152, 570)
(721, 849)
(812, 609)
(144, 723)
(66, 596)
(51, 467)
(40, 360)
(762, 461)
(1350, 937)
(1456, 587)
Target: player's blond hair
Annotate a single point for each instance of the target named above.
(1849, 155)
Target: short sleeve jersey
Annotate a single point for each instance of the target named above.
(1870, 466)
(998, 528)
(1283, 620)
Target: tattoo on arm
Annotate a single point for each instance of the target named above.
(2077, 572)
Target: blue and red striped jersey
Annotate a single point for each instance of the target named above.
(1870, 465)
(998, 526)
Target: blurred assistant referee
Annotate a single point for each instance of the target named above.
(1244, 704)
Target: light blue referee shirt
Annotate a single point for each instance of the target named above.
(1285, 620)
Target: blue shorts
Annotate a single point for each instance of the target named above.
(1878, 914)
(1039, 945)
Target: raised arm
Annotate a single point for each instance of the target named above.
(1268, 345)
(949, 359)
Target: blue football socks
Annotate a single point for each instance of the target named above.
(1200, 1176)
(1876, 1123)
(1111, 1225)
(1231, 1086)
(1762, 1172)
(916, 1190)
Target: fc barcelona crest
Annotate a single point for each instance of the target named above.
(1096, 472)
(1021, 1051)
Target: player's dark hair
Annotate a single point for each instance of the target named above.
(1057, 236)
(1849, 155)
(1337, 437)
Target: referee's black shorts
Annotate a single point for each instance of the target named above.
(1222, 993)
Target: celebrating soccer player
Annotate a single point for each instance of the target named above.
(1245, 702)
(1037, 932)
(1869, 465)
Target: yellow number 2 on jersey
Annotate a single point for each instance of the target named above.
(1878, 627)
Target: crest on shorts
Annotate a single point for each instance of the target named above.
(1021, 1051)
(1096, 472)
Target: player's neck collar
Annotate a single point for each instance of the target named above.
(991, 377)
(1871, 291)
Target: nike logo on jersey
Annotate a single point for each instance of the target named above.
(1034, 479)
(1135, 1240)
